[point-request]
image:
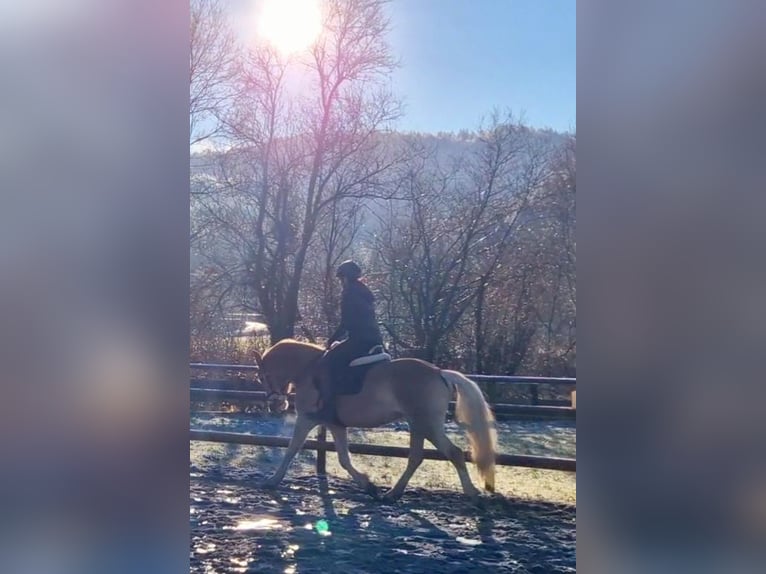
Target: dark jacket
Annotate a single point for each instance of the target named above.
(357, 315)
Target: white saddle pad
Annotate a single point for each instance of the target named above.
(367, 359)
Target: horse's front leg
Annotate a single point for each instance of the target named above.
(340, 436)
(303, 426)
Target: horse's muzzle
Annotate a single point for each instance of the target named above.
(277, 403)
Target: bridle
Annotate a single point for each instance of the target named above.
(281, 394)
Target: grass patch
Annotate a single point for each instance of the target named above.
(513, 482)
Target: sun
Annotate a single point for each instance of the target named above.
(289, 25)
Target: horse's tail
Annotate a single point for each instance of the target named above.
(473, 411)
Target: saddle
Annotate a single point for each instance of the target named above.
(357, 370)
(374, 355)
(350, 382)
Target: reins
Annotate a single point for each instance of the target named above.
(300, 375)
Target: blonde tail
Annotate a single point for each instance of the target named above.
(472, 410)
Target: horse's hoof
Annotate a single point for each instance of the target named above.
(372, 490)
(390, 497)
(269, 484)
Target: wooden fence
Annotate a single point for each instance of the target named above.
(206, 390)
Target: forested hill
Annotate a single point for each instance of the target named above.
(466, 239)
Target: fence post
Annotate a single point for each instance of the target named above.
(322, 450)
(535, 398)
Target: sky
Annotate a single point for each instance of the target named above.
(461, 58)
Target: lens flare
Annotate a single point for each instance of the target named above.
(289, 25)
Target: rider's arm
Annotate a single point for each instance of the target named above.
(336, 335)
(343, 327)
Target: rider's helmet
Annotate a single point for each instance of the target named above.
(349, 269)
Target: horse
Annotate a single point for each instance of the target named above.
(400, 389)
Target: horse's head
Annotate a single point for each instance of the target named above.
(281, 366)
(275, 382)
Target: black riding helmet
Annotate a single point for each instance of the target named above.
(349, 269)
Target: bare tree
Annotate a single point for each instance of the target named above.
(529, 318)
(212, 55)
(302, 153)
(444, 251)
(557, 312)
(471, 250)
(337, 234)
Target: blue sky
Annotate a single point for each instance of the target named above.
(461, 58)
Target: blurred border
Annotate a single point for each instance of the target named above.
(671, 268)
(94, 286)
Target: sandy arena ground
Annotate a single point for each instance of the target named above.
(528, 526)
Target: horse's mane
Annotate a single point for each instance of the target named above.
(291, 342)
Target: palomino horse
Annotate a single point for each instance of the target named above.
(408, 389)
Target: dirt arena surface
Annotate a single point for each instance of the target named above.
(237, 526)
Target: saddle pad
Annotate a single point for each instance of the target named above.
(353, 381)
(368, 359)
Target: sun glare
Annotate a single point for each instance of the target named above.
(289, 25)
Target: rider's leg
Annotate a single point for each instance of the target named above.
(327, 384)
(334, 368)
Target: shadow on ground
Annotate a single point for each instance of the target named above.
(236, 526)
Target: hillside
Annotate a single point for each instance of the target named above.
(205, 168)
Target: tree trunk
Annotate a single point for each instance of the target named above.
(281, 330)
(479, 330)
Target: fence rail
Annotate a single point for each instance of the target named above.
(246, 385)
(223, 366)
(529, 461)
(517, 379)
(530, 382)
(204, 394)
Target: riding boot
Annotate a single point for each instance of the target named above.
(327, 413)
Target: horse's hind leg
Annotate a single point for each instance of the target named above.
(413, 462)
(440, 440)
(340, 436)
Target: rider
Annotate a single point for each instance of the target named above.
(357, 321)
